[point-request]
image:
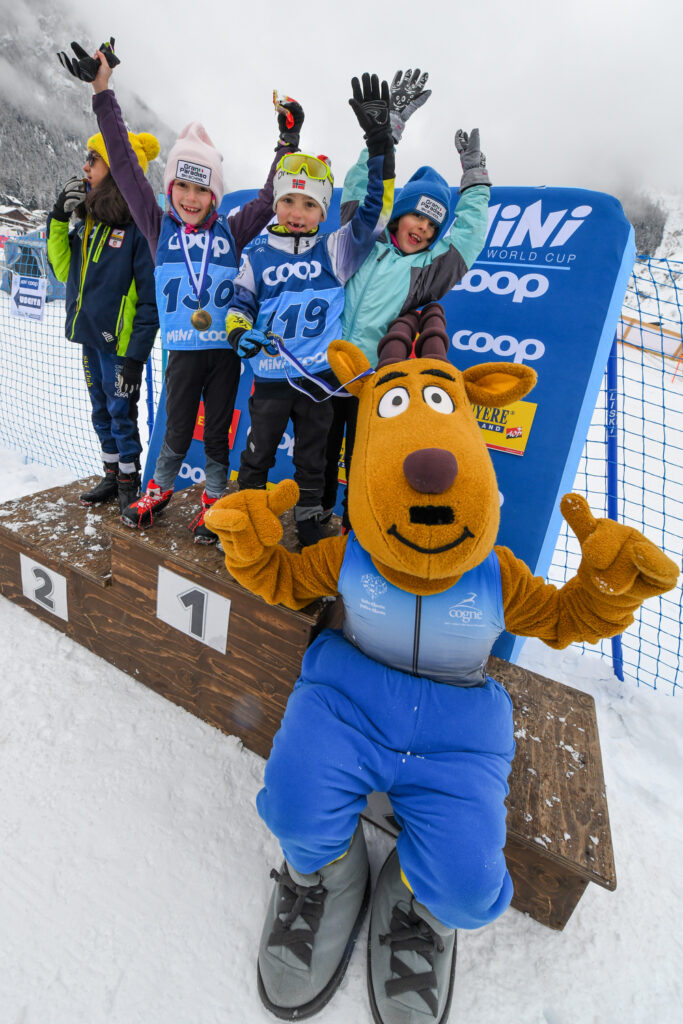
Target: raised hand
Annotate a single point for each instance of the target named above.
(472, 159)
(83, 66)
(290, 118)
(406, 95)
(248, 522)
(370, 103)
(617, 560)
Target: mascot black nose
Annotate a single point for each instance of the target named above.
(430, 470)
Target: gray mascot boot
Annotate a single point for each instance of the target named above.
(310, 930)
(411, 955)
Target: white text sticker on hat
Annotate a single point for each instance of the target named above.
(430, 208)
(187, 171)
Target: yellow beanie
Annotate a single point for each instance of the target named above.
(145, 146)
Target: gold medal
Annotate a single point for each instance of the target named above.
(201, 320)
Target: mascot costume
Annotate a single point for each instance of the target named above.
(398, 701)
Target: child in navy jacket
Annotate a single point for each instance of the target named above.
(110, 307)
(293, 287)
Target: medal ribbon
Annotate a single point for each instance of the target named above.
(196, 280)
(287, 357)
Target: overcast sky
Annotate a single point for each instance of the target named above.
(586, 93)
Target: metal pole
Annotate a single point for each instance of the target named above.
(611, 426)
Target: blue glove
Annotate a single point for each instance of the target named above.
(247, 343)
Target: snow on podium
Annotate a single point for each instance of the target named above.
(167, 612)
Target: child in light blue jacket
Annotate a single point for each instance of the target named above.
(416, 260)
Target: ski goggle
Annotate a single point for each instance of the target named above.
(312, 166)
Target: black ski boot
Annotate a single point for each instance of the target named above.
(140, 514)
(106, 489)
(129, 489)
(309, 531)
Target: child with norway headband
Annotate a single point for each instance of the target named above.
(293, 286)
(197, 252)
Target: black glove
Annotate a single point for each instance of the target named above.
(71, 196)
(129, 376)
(290, 118)
(407, 94)
(84, 66)
(371, 106)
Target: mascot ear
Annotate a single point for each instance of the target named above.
(347, 362)
(498, 384)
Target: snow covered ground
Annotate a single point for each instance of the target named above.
(134, 868)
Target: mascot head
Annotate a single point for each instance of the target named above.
(423, 497)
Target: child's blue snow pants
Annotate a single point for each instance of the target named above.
(441, 752)
(114, 416)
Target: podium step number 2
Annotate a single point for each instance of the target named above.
(45, 587)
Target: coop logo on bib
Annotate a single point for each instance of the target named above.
(195, 173)
(430, 208)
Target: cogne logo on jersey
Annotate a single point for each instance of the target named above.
(304, 271)
(299, 183)
(195, 173)
(465, 612)
(430, 208)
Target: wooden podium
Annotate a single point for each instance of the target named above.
(167, 612)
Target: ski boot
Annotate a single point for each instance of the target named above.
(411, 955)
(309, 531)
(309, 932)
(129, 489)
(106, 489)
(140, 514)
(202, 534)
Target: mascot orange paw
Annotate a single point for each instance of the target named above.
(248, 522)
(617, 559)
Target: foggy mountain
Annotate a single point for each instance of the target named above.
(45, 114)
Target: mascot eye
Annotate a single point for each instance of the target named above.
(393, 403)
(438, 399)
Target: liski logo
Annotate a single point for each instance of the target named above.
(528, 227)
(375, 586)
(465, 612)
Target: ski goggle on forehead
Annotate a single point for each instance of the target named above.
(312, 166)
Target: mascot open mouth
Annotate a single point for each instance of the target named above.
(393, 532)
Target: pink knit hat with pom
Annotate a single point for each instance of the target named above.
(194, 158)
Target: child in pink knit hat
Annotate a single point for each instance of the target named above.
(197, 252)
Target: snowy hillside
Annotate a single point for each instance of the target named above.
(45, 115)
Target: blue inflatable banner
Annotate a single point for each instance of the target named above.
(546, 291)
